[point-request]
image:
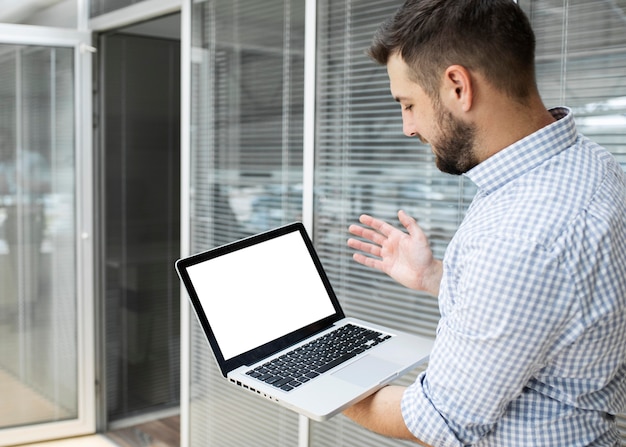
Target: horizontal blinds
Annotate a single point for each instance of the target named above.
(364, 164)
(221, 415)
(247, 113)
(581, 61)
(247, 94)
(99, 7)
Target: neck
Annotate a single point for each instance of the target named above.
(505, 122)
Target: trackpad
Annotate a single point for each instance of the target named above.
(368, 371)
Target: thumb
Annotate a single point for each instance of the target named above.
(408, 222)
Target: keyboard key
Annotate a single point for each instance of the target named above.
(308, 361)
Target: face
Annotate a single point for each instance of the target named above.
(451, 139)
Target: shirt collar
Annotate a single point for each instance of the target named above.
(525, 154)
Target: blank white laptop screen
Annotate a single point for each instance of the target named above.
(247, 290)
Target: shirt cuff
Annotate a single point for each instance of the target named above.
(422, 418)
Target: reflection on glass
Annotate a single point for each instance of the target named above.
(246, 171)
(37, 248)
(141, 166)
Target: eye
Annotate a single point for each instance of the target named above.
(408, 108)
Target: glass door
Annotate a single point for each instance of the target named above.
(139, 85)
(46, 302)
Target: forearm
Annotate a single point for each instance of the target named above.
(381, 413)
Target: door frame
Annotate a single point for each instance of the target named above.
(80, 41)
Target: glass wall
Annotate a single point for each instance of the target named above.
(140, 163)
(363, 163)
(581, 62)
(246, 163)
(99, 7)
(38, 300)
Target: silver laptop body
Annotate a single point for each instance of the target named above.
(263, 296)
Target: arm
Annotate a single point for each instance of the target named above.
(406, 257)
(381, 414)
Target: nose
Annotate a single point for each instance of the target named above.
(408, 127)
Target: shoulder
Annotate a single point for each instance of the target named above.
(547, 200)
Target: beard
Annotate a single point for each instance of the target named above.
(454, 146)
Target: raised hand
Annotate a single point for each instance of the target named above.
(404, 256)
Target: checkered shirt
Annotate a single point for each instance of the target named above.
(530, 347)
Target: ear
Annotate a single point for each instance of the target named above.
(457, 88)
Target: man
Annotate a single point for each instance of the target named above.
(530, 347)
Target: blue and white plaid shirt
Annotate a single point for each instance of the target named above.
(531, 345)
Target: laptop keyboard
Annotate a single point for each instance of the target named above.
(318, 356)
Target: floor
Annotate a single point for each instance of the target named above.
(160, 433)
(27, 405)
(81, 441)
(21, 381)
(30, 406)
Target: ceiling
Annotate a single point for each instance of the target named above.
(19, 11)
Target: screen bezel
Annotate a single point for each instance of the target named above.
(257, 354)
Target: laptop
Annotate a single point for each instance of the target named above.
(265, 304)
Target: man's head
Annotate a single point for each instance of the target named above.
(492, 37)
(462, 70)
(451, 138)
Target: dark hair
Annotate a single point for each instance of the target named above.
(493, 37)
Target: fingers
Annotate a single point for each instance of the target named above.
(367, 261)
(379, 225)
(367, 233)
(375, 233)
(365, 247)
(407, 221)
(375, 230)
(411, 225)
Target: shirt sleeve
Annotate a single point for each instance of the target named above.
(505, 308)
